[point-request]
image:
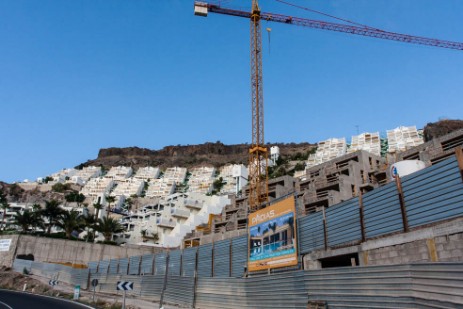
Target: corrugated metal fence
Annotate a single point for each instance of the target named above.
(405, 286)
(428, 285)
(58, 272)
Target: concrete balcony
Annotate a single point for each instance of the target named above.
(164, 222)
(181, 213)
(193, 204)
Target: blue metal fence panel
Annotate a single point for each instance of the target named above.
(285, 290)
(311, 236)
(175, 258)
(361, 287)
(103, 267)
(123, 266)
(160, 263)
(222, 258)
(134, 265)
(179, 290)
(152, 287)
(146, 266)
(223, 293)
(189, 261)
(239, 255)
(113, 265)
(382, 211)
(93, 267)
(205, 261)
(343, 223)
(433, 194)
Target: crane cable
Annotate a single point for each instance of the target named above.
(325, 14)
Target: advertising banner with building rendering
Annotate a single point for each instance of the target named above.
(272, 236)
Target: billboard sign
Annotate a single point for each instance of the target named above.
(272, 236)
(5, 245)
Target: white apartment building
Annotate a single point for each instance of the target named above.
(63, 175)
(274, 154)
(403, 138)
(235, 177)
(370, 142)
(201, 180)
(128, 187)
(83, 175)
(119, 173)
(160, 188)
(328, 150)
(175, 174)
(147, 173)
(96, 187)
(171, 219)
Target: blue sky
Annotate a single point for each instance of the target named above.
(80, 75)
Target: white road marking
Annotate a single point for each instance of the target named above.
(9, 307)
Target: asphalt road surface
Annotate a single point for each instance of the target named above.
(18, 300)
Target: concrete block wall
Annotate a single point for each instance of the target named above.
(60, 250)
(412, 252)
(449, 248)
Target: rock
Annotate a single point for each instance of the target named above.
(208, 154)
(436, 129)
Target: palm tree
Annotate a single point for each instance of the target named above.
(109, 199)
(70, 221)
(36, 208)
(97, 207)
(4, 206)
(27, 220)
(128, 203)
(108, 226)
(52, 212)
(89, 225)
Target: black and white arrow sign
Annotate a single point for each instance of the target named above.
(124, 285)
(53, 282)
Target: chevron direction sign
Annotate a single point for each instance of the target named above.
(53, 282)
(124, 285)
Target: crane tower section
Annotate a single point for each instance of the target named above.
(258, 154)
(258, 177)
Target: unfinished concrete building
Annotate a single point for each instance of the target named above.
(340, 179)
(433, 151)
(233, 220)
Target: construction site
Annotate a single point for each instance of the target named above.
(374, 223)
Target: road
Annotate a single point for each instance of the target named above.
(18, 300)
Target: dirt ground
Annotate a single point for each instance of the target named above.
(38, 285)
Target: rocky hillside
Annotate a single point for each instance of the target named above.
(440, 128)
(15, 194)
(208, 154)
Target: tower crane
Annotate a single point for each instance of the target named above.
(258, 176)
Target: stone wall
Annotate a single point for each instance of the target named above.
(60, 250)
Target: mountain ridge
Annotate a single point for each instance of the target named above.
(207, 154)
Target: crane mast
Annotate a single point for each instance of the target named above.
(258, 155)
